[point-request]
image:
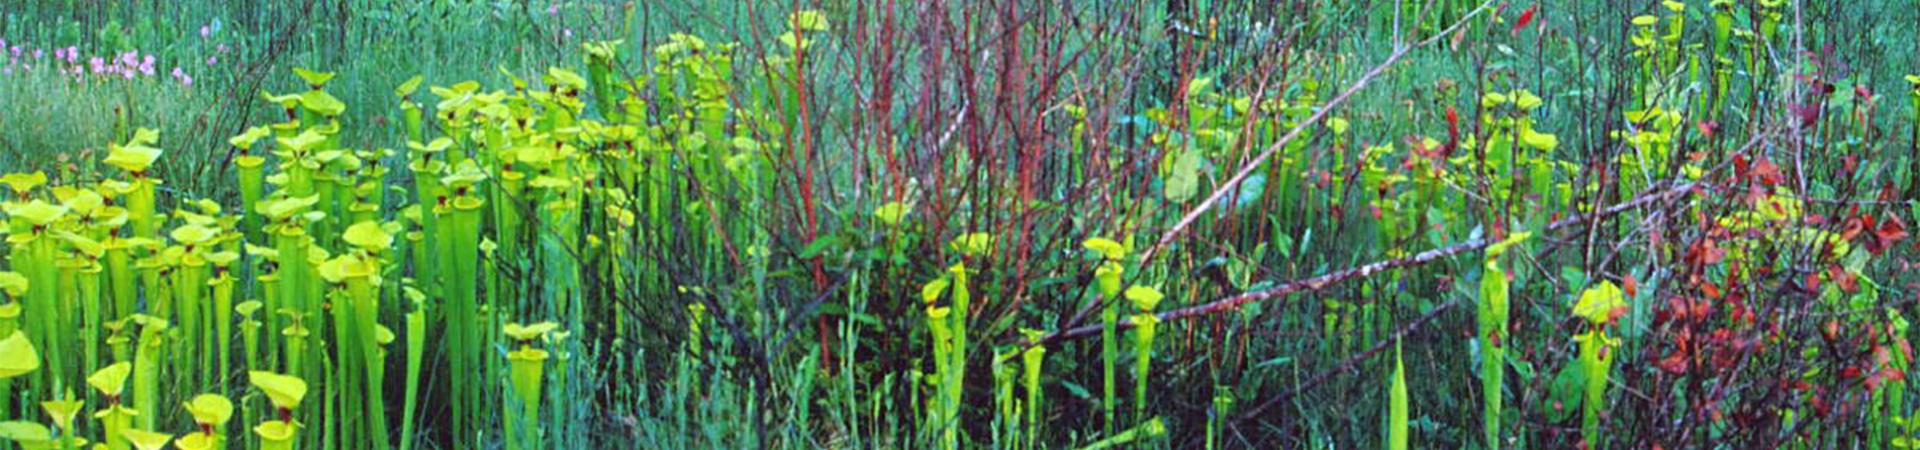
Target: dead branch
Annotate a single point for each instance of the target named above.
(1246, 169)
(1348, 365)
(1665, 191)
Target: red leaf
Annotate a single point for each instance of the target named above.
(1842, 277)
(1768, 173)
(1616, 313)
(1676, 310)
(1675, 363)
(1453, 132)
(1699, 308)
(1525, 18)
(1808, 115)
(1706, 127)
(1715, 254)
(1854, 226)
(1711, 290)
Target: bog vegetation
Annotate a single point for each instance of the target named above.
(374, 224)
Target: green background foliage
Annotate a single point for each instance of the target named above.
(800, 184)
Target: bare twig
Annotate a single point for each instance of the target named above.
(1247, 168)
(1324, 111)
(1645, 198)
(1347, 365)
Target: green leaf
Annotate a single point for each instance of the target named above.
(38, 212)
(1397, 405)
(1493, 320)
(210, 409)
(1542, 141)
(1597, 303)
(1109, 248)
(20, 431)
(406, 88)
(285, 391)
(867, 319)
(368, 235)
(1250, 191)
(246, 139)
(819, 245)
(1144, 298)
(1525, 100)
(17, 356)
(971, 244)
(323, 103)
(111, 380)
(315, 79)
(1184, 181)
(808, 20)
(24, 182)
(133, 157)
(300, 142)
(934, 289)
(1521, 369)
(563, 77)
(1567, 392)
(1494, 251)
(1077, 390)
(1273, 362)
(145, 440)
(890, 213)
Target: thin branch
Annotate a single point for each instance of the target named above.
(1246, 169)
(1645, 198)
(1348, 365)
(1325, 110)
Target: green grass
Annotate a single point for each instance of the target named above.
(749, 272)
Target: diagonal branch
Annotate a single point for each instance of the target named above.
(1348, 365)
(1399, 51)
(1659, 193)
